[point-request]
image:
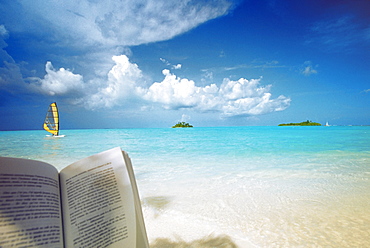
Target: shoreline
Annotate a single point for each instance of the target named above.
(254, 186)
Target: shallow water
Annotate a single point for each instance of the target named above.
(241, 186)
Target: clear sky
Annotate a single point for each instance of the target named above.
(152, 63)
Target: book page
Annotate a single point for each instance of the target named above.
(141, 236)
(98, 202)
(30, 209)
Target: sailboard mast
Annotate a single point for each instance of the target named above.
(51, 123)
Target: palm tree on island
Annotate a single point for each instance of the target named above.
(182, 124)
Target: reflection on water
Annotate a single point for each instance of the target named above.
(52, 147)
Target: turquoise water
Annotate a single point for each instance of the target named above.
(260, 186)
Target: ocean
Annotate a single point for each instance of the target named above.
(233, 186)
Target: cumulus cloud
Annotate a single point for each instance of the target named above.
(58, 82)
(178, 66)
(124, 83)
(232, 98)
(172, 92)
(119, 85)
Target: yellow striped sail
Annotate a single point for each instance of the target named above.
(51, 123)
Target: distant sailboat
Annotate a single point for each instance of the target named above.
(327, 124)
(51, 123)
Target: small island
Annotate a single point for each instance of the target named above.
(305, 123)
(182, 124)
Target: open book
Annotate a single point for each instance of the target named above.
(91, 203)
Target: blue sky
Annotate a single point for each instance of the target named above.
(152, 63)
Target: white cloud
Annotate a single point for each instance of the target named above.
(59, 82)
(232, 98)
(176, 67)
(173, 92)
(166, 62)
(117, 22)
(255, 105)
(120, 85)
(124, 86)
(232, 90)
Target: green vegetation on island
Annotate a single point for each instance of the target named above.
(305, 123)
(182, 124)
